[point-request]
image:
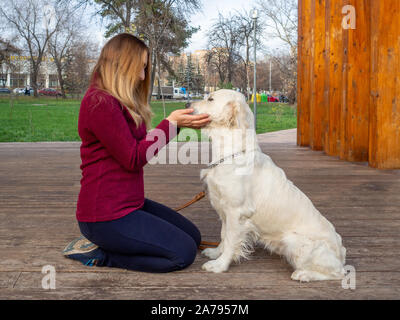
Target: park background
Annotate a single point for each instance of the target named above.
(347, 126)
(50, 47)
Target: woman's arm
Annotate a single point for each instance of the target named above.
(107, 122)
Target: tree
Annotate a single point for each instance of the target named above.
(28, 20)
(120, 13)
(246, 30)
(281, 18)
(198, 80)
(263, 75)
(193, 80)
(161, 23)
(179, 76)
(287, 65)
(224, 44)
(216, 60)
(62, 41)
(79, 62)
(188, 75)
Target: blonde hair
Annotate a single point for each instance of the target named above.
(117, 73)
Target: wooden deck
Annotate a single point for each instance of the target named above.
(39, 184)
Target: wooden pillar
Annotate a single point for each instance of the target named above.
(349, 80)
(356, 100)
(384, 130)
(326, 104)
(317, 106)
(304, 73)
(334, 32)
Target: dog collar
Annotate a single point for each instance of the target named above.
(213, 165)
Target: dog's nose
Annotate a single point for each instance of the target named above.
(188, 105)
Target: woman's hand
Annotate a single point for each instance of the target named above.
(182, 118)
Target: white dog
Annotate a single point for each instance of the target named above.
(257, 203)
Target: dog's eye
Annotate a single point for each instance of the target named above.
(210, 99)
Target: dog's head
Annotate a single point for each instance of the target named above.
(227, 109)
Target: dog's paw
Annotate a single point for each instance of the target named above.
(215, 266)
(212, 253)
(309, 275)
(301, 275)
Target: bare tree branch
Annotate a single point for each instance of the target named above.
(26, 18)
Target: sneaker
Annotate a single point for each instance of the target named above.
(84, 251)
(91, 262)
(79, 245)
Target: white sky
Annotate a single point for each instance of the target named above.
(209, 15)
(204, 19)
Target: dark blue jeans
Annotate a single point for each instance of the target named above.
(154, 238)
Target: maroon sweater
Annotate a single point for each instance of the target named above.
(113, 153)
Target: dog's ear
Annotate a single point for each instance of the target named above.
(232, 114)
(236, 115)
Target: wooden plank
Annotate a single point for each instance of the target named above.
(385, 85)
(335, 34)
(318, 46)
(38, 193)
(344, 104)
(27, 235)
(259, 263)
(326, 101)
(304, 73)
(355, 143)
(213, 234)
(179, 293)
(300, 67)
(365, 254)
(8, 279)
(185, 280)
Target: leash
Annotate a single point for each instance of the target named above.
(198, 197)
(204, 244)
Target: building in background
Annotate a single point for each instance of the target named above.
(16, 73)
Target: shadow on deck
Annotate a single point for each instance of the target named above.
(39, 185)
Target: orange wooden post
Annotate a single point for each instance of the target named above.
(349, 80)
(317, 106)
(334, 32)
(304, 73)
(355, 111)
(325, 119)
(384, 130)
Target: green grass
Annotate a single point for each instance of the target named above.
(275, 116)
(26, 119)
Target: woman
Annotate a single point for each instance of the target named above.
(125, 229)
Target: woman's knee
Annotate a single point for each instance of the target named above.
(197, 236)
(186, 254)
(173, 217)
